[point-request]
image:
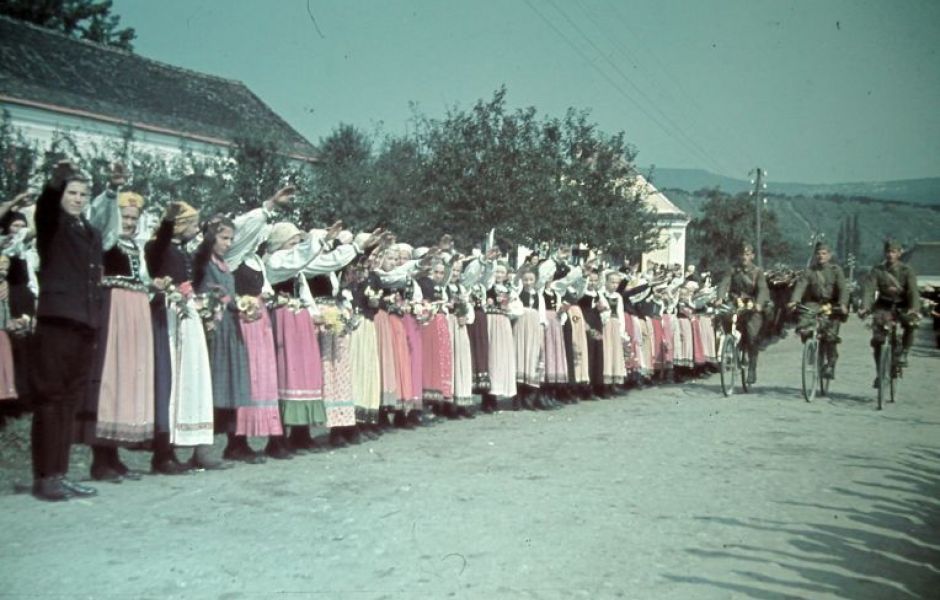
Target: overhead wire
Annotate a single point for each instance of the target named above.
(676, 130)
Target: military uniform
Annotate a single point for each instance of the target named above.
(818, 285)
(747, 282)
(896, 287)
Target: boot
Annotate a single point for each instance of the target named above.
(101, 469)
(401, 421)
(337, 439)
(238, 449)
(752, 367)
(277, 448)
(300, 440)
(352, 435)
(114, 460)
(164, 460)
(202, 460)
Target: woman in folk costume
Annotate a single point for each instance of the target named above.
(437, 347)
(228, 357)
(7, 372)
(414, 309)
(333, 317)
(364, 347)
(262, 418)
(685, 345)
(555, 275)
(460, 317)
(21, 291)
(299, 367)
(501, 304)
(476, 278)
(183, 382)
(529, 339)
(615, 333)
(120, 405)
(634, 289)
(595, 310)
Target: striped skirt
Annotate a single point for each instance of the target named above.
(299, 368)
(263, 417)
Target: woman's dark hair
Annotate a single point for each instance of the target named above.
(8, 220)
(203, 253)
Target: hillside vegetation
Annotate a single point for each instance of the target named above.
(802, 217)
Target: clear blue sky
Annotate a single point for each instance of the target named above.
(818, 91)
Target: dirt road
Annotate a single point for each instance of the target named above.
(670, 492)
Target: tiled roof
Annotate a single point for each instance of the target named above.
(44, 67)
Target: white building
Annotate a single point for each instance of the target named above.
(671, 219)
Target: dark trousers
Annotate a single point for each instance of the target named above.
(62, 364)
(595, 357)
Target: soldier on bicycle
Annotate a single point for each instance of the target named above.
(746, 282)
(822, 283)
(897, 298)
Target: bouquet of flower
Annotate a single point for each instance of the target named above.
(21, 326)
(334, 319)
(210, 306)
(373, 297)
(249, 308)
(294, 304)
(745, 303)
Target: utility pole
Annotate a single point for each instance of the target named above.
(759, 186)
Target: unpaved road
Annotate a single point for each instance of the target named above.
(671, 492)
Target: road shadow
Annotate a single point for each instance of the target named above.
(889, 549)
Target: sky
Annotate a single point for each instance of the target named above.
(811, 91)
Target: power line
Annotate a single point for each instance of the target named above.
(687, 139)
(662, 70)
(603, 74)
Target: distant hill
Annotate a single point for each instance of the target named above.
(919, 191)
(801, 216)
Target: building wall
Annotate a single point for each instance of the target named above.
(40, 126)
(673, 238)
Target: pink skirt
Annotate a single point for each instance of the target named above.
(556, 359)
(391, 381)
(264, 417)
(7, 376)
(416, 358)
(437, 364)
(299, 369)
(684, 349)
(698, 350)
(126, 395)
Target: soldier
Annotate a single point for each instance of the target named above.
(822, 283)
(896, 285)
(746, 282)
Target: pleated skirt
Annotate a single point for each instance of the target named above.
(614, 362)
(299, 368)
(367, 377)
(463, 363)
(528, 340)
(263, 417)
(437, 360)
(502, 355)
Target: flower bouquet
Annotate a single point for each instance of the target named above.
(249, 308)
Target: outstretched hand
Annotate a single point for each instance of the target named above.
(333, 230)
(283, 197)
(118, 176)
(173, 209)
(62, 171)
(374, 239)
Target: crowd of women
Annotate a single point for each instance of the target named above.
(253, 328)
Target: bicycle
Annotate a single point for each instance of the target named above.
(732, 351)
(816, 368)
(889, 365)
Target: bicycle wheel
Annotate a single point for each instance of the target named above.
(810, 369)
(884, 374)
(727, 364)
(743, 362)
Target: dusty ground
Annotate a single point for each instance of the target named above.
(672, 492)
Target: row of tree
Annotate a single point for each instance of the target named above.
(534, 179)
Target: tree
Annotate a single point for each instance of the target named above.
(82, 19)
(727, 222)
(342, 179)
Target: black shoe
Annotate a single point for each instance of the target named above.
(352, 436)
(105, 473)
(243, 454)
(126, 472)
(902, 359)
(50, 489)
(751, 376)
(168, 466)
(76, 489)
(337, 440)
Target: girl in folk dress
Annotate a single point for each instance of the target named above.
(502, 356)
(437, 347)
(120, 405)
(365, 362)
(529, 339)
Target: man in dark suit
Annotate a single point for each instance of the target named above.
(68, 314)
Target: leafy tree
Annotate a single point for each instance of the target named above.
(82, 19)
(727, 222)
(342, 179)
